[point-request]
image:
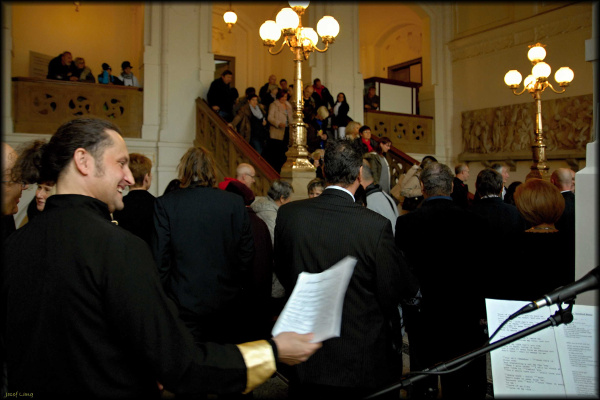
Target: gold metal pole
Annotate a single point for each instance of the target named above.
(539, 168)
(297, 154)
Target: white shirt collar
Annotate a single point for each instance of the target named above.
(342, 189)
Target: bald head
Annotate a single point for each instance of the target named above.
(563, 179)
(245, 173)
(11, 191)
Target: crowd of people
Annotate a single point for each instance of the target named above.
(64, 68)
(133, 295)
(264, 119)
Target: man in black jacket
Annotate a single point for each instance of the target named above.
(447, 323)
(220, 96)
(61, 68)
(312, 235)
(84, 312)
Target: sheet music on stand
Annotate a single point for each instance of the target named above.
(316, 302)
(556, 362)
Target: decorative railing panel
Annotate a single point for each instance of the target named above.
(230, 149)
(411, 133)
(42, 105)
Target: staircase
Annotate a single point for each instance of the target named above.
(230, 149)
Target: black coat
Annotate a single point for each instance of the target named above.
(138, 214)
(204, 249)
(87, 316)
(430, 237)
(460, 193)
(312, 235)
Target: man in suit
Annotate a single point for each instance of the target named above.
(82, 309)
(447, 323)
(460, 192)
(563, 179)
(312, 235)
(137, 215)
(505, 227)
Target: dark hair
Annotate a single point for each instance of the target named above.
(360, 196)
(280, 93)
(28, 165)
(343, 94)
(427, 160)
(539, 202)
(283, 80)
(316, 80)
(197, 167)
(509, 196)
(140, 165)
(489, 182)
(250, 90)
(87, 133)
(342, 161)
(250, 97)
(437, 179)
(383, 140)
(363, 128)
(227, 72)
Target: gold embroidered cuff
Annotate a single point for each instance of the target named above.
(260, 362)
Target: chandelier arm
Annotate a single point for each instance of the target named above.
(280, 49)
(520, 93)
(557, 91)
(321, 51)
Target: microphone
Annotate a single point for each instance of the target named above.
(588, 282)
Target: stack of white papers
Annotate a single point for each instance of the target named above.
(316, 302)
(557, 361)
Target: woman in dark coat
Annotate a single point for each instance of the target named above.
(340, 116)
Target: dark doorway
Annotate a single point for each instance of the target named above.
(223, 63)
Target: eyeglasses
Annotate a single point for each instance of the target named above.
(23, 184)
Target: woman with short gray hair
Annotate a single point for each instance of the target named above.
(266, 208)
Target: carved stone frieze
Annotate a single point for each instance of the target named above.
(509, 131)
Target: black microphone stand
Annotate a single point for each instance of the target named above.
(562, 316)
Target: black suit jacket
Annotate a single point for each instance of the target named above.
(313, 234)
(566, 222)
(460, 193)
(452, 302)
(203, 248)
(138, 214)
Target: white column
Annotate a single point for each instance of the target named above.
(586, 184)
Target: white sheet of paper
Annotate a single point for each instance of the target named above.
(316, 302)
(547, 363)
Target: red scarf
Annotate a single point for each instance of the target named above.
(368, 143)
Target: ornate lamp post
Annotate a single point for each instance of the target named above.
(302, 41)
(535, 84)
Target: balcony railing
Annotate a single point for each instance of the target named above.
(42, 105)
